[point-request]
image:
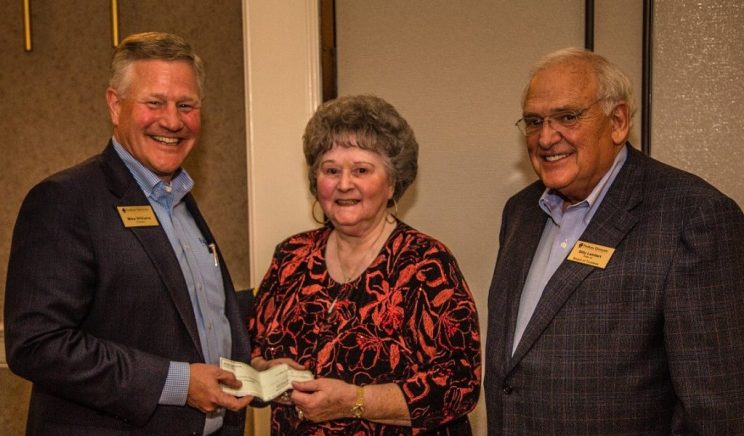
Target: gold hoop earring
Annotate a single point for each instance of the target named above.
(322, 222)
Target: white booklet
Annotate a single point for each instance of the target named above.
(265, 385)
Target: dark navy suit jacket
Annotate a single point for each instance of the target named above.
(95, 311)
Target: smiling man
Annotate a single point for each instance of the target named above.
(616, 305)
(118, 306)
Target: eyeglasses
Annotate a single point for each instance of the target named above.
(559, 121)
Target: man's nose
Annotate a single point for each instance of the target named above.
(171, 118)
(548, 135)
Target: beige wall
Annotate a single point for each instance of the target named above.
(456, 69)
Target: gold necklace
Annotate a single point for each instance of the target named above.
(363, 263)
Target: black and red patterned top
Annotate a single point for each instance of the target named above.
(409, 319)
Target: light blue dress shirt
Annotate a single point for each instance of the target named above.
(562, 229)
(201, 271)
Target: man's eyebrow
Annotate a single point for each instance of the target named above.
(156, 95)
(161, 96)
(565, 109)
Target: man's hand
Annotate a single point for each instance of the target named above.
(204, 389)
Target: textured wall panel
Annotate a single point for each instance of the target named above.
(53, 114)
(14, 395)
(53, 111)
(698, 92)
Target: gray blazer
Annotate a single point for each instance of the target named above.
(95, 311)
(653, 344)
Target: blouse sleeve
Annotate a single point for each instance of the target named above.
(263, 307)
(442, 324)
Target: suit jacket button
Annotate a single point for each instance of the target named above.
(508, 389)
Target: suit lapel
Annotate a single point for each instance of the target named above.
(528, 238)
(154, 241)
(613, 220)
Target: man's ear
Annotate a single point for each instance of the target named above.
(114, 105)
(620, 120)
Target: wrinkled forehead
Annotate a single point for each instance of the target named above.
(560, 86)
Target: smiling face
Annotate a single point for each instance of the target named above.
(353, 188)
(575, 159)
(158, 117)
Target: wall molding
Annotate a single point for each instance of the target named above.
(282, 86)
(282, 83)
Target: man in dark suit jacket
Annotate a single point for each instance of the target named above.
(617, 301)
(118, 304)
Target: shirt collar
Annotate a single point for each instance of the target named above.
(152, 185)
(551, 201)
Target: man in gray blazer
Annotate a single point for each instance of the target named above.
(118, 304)
(617, 301)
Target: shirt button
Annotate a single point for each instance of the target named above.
(563, 245)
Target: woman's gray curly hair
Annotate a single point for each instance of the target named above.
(367, 122)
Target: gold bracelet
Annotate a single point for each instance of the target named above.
(358, 410)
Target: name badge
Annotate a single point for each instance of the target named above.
(137, 216)
(591, 254)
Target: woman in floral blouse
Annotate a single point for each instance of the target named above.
(377, 311)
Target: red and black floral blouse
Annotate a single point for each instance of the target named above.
(408, 319)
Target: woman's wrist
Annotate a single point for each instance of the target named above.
(357, 410)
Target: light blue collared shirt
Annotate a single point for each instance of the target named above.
(199, 264)
(561, 231)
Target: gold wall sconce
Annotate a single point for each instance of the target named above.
(27, 25)
(27, 43)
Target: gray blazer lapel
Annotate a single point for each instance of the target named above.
(533, 224)
(522, 224)
(154, 241)
(613, 220)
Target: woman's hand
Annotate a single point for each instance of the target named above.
(324, 399)
(261, 364)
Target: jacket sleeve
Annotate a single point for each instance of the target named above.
(53, 281)
(704, 318)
